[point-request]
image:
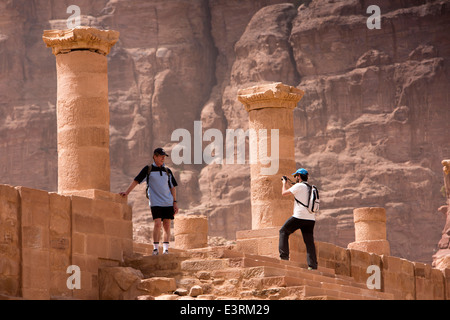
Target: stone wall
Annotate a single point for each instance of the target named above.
(42, 234)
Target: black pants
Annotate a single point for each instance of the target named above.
(307, 228)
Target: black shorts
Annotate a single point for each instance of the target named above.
(162, 213)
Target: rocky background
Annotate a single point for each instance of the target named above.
(372, 127)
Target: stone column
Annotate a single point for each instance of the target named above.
(82, 107)
(370, 231)
(441, 259)
(271, 108)
(191, 231)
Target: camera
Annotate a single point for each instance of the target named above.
(284, 178)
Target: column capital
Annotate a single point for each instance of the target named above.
(273, 95)
(64, 41)
(446, 168)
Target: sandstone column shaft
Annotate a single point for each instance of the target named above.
(82, 107)
(270, 107)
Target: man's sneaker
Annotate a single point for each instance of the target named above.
(155, 252)
(166, 252)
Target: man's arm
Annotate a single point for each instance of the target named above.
(130, 188)
(285, 191)
(174, 195)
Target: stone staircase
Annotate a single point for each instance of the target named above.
(227, 273)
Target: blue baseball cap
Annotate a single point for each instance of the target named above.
(300, 171)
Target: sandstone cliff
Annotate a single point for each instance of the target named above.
(372, 126)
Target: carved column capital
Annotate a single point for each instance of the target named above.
(80, 38)
(446, 168)
(273, 95)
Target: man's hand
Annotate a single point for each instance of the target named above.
(175, 208)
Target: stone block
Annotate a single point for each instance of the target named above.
(78, 243)
(116, 228)
(398, 277)
(9, 203)
(60, 214)
(35, 257)
(261, 246)
(82, 205)
(360, 261)
(157, 285)
(342, 261)
(380, 247)
(114, 248)
(86, 263)
(87, 224)
(107, 209)
(438, 282)
(257, 233)
(422, 270)
(36, 277)
(35, 237)
(96, 245)
(35, 294)
(10, 243)
(430, 283)
(247, 246)
(97, 194)
(119, 283)
(127, 212)
(9, 286)
(199, 265)
(34, 207)
(446, 274)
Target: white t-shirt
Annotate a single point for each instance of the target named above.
(301, 192)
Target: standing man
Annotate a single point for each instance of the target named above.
(302, 218)
(162, 196)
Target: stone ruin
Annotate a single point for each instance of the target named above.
(84, 225)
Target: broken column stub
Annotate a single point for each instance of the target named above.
(270, 107)
(191, 231)
(370, 231)
(82, 107)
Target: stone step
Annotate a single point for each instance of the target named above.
(194, 265)
(253, 272)
(251, 260)
(168, 265)
(263, 277)
(307, 292)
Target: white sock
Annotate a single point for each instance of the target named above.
(166, 246)
(156, 246)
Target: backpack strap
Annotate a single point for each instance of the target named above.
(167, 170)
(168, 176)
(309, 196)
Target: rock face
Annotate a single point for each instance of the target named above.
(371, 128)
